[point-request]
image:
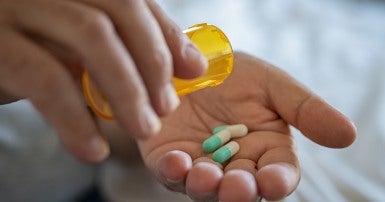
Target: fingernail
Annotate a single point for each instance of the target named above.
(150, 122)
(170, 101)
(98, 148)
(193, 54)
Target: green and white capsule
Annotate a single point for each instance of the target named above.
(237, 130)
(215, 141)
(226, 152)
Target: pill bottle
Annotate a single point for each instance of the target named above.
(213, 44)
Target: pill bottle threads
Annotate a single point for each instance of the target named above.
(210, 40)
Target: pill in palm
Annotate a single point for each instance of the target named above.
(237, 130)
(215, 141)
(219, 128)
(225, 152)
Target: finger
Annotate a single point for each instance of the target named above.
(238, 186)
(310, 114)
(144, 39)
(315, 118)
(278, 172)
(102, 53)
(169, 161)
(173, 169)
(189, 62)
(203, 181)
(277, 180)
(275, 174)
(271, 157)
(30, 72)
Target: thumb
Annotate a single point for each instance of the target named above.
(301, 108)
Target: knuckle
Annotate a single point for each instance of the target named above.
(162, 60)
(134, 92)
(175, 37)
(95, 26)
(173, 30)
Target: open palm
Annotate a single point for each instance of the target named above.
(267, 101)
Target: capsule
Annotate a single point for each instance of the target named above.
(225, 152)
(237, 130)
(215, 141)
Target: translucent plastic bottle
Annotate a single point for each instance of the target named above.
(210, 40)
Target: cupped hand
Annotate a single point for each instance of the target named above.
(130, 48)
(265, 99)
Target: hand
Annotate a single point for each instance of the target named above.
(265, 99)
(130, 48)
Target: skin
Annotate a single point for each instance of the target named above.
(267, 100)
(130, 48)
